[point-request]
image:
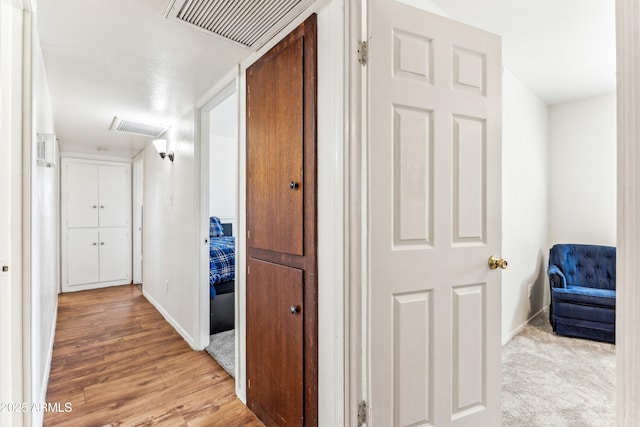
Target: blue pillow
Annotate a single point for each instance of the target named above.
(215, 228)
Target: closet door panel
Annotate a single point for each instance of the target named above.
(274, 343)
(275, 152)
(82, 195)
(115, 259)
(114, 196)
(82, 256)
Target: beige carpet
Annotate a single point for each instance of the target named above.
(549, 380)
(222, 347)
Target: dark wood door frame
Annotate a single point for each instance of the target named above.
(307, 262)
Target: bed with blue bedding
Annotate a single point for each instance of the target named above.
(222, 260)
(221, 276)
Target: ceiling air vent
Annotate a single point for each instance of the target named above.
(249, 23)
(130, 126)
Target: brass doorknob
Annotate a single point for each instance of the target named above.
(495, 262)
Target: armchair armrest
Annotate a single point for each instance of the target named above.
(556, 277)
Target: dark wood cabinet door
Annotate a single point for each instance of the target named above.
(274, 343)
(282, 347)
(275, 186)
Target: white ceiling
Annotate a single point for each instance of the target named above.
(121, 57)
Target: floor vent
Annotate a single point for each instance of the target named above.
(131, 126)
(249, 23)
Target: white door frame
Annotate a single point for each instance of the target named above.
(628, 230)
(15, 143)
(28, 126)
(221, 91)
(355, 189)
(137, 180)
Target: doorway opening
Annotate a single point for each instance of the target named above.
(219, 199)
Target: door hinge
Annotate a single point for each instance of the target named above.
(362, 53)
(362, 413)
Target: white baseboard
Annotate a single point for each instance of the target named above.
(90, 286)
(521, 327)
(188, 338)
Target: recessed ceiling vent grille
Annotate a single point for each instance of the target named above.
(130, 126)
(249, 23)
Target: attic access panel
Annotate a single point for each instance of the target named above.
(248, 23)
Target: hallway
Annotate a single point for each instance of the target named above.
(118, 362)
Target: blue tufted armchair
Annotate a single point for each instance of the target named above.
(583, 291)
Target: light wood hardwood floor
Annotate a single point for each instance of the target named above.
(119, 363)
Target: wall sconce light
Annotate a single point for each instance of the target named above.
(161, 148)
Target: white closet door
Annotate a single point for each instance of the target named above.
(82, 259)
(82, 195)
(115, 254)
(114, 196)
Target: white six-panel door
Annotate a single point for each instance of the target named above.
(434, 91)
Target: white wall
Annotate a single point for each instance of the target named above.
(559, 181)
(582, 163)
(524, 203)
(170, 241)
(223, 159)
(45, 237)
